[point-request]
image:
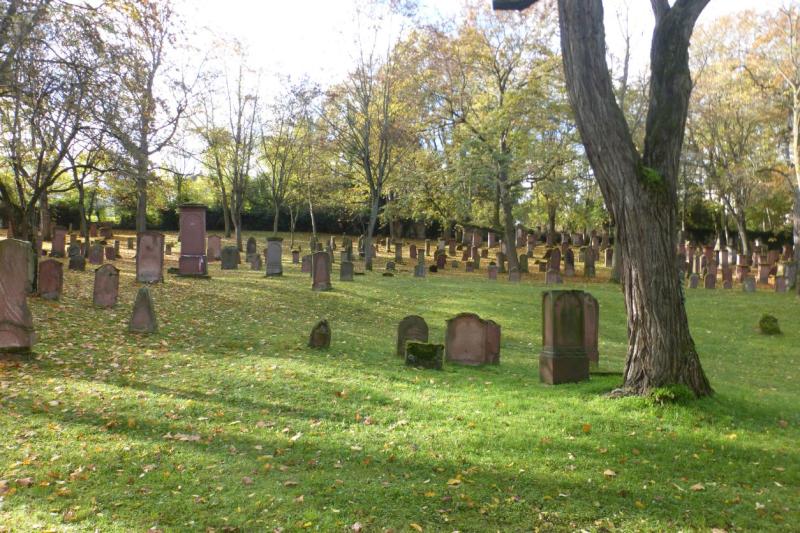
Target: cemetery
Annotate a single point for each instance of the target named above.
(484, 329)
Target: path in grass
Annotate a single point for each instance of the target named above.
(226, 419)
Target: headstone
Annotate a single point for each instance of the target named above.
(727, 284)
(214, 250)
(251, 248)
(390, 266)
(513, 275)
(413, 328)
(423, 355)
(111, 253)
(51, 279)
(143, 318)
(106, 232)
(230, 258)
(569, 263)
(412, 251)
(589, 258)
(555, 260)
(749, 284)
(553, 277)
(106, 286)
(16, 323)
(96, 254)
(469, 341)
(116, 250)
(501, 263)
(694, 281)
(710, 281)
(346, 271)
(255, 262)
(441, 260)
(77, 263)
(320, 337)
(523, 264)
(609, 257)
(59, 242)
(130, 243)
(149, 257)
(274, 256)
(427, 247)
(591, 328)
(93, 231)
(321, 272)
(484, 253)
(193, 260)
(296, 257)
(780, 284)
(305, 267)
(563, 358)
(492, 271)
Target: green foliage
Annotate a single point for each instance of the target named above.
(768, 325)
(678, 394)
(652, 179)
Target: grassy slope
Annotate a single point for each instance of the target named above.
(276, 435)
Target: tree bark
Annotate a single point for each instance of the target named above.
(641, 190)
(616, 271)
(741, 229)
(45, 225)
(796, 234)
(373, 219)
(313, 219)
(275, 219)
(509, 228)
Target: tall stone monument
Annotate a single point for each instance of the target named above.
(193, 260)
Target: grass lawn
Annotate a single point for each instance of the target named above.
(226, 421)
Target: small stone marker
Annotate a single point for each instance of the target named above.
(471, 340)
(59, 242)
(321, 275)
(320, 337)
(563, 358)
(306, 265)
(149, 257)
(749, 284)
(492, 271)
(16, 323)
(419, 270)
(412, 327)
(51, 279)
(106, 286)
(513, 275)
(346, 271)
(255, 262)
(274, 256)
(710, 281)
(694, 281)
(553, 277)
(77, 263)
(143, 318)
(214, 249)
(423, 355)
(251, 248)
(96, 254)
(230, 258)
(111, 253)
(780, 284)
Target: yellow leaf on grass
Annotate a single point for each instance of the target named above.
(587, 428)
(416, 526)
(698, 487)
(454, 482)
(639, 504)
(609, 473)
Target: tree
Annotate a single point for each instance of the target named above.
(640, 188)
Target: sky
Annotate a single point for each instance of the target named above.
(315, 38)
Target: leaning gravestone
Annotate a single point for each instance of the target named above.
(320, 335)
(274, 256)
(563, 358)
(230, 258)
(51, 279)
(143, 318)
(214, 248)
(423, 355)
(106, 286)
(471, 340)
(149, 257)
(412, 327)
(321, 272)
(16, 323)
(346, 271)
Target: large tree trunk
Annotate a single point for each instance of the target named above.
(509, 228)
(45, 224)
(616, 257)
(311, 215)
(496, 206)
(796, 234)
(640, 190)
(275, 219)
(83, 228)
(551, 217)
(741, 229)
(373, 220)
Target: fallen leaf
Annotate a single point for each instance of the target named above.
(25, 481)
(697, 487)
(247, 480)
(586, 428)
(416, 526)
(609, 473)
(357, 527)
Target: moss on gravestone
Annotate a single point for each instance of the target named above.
(424, 355)
(769, 325)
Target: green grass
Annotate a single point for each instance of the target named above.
(225, 419)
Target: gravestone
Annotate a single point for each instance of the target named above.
(694, 281)
(77, 263)
(441, 260)
(523, 263)
(51, 279)
(214, 249)
(193, 260)
(727, 284)
(398, 252)
(111, 253)
(230, 258)
(591, 329)
(470, 340)
(427, 247)
(484, 253)
(130, 243)
(589, 258)
(390, 267)
(470, 267)
(255, 262)
(476, 263)
(749, 284)
(106, 232)
(274, 256)
(412, 328)
(93, 231)
(296, 257)
(609, 257)
(710, 281)
(143, 318)
(305, 267)
(16, 322)
(553, 277)
(116, 250)
(149, 257)
(106, 286)
(320, 337)
(96, 254)
(251, 248)
(569, 263)
(423, 355)
(59, 242)
(554, 261)
(780, 284)
(321, 274)
(492, 271)
(563, 358)
(346, 271)
(419, 270)
(513, 275)
(412, 251)
(501, 263)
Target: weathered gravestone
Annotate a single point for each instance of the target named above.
(492, 271)
(251, 248)
(168, 249)
(398, 252)
(59, 242)
(296, 257)
(411, 328)
(412, 251)
(694, 281)
(255, 262)
(143, 318)
(589, 258)
(274, 256)
(553, 277)
(230, 258)
(320, 334)
(501, 262)
(306, 265)
(106, 286)
(321, 272)
(193, 260)
(390, 266)
(214, 249)
(419, 270)
(523, 263)
(77, 262)
(513, 275)
(780, 284)
(149, 257)
(441, 260)
(346, 271)
(563, 358)
(96, 254)
(423, 355)
(710, 281)
(471, 340)
(51, 279)
(749, 284)
(554, 260)
(16, 323)
(111, 253)
(130, 243)
(569, 263)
